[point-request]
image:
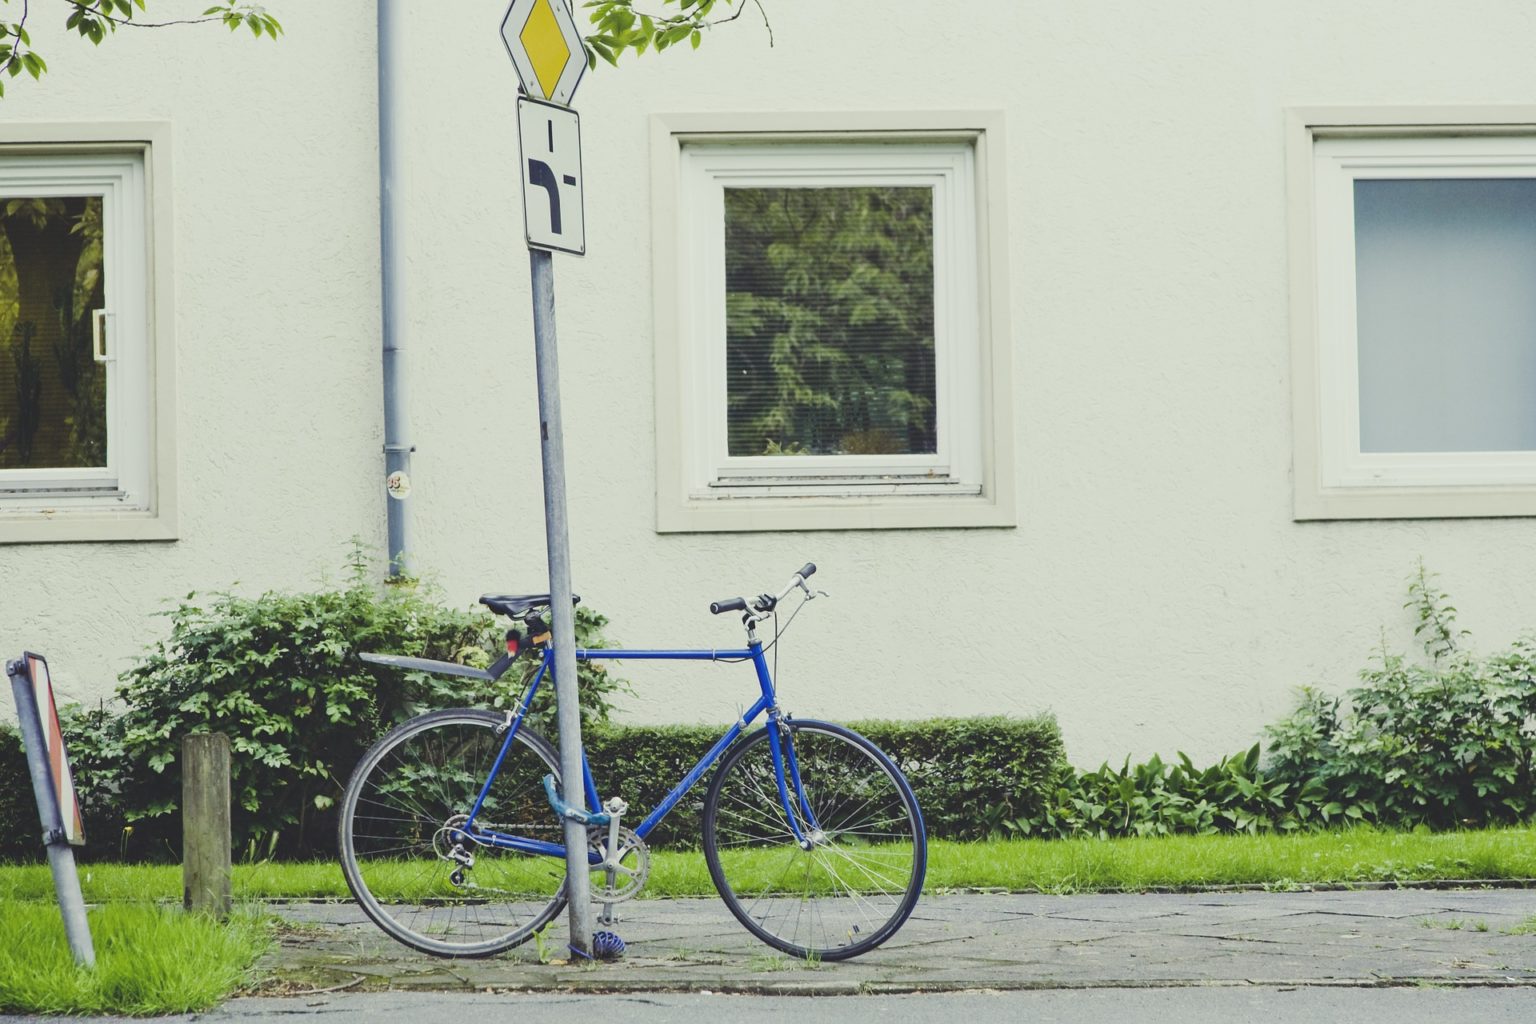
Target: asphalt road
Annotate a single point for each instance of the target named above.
(1188, 1005)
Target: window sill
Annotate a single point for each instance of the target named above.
(1415, 502)
(63, 527)
(832, 490)
(847, 512)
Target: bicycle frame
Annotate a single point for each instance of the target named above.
(785, 767)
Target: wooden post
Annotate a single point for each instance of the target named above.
(205, 837)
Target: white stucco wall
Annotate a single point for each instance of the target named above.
(1156, 593)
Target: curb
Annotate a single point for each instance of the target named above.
(1271, 887)
(1151, 890)
(831, 987)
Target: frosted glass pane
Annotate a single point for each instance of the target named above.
(1446, 302)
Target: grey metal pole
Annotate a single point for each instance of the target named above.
(397, 449)
(562, 614)
(61, 857)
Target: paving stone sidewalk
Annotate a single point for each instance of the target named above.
(956, 942)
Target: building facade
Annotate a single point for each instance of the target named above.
(1118, 359)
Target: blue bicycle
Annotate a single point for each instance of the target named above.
(451, 835)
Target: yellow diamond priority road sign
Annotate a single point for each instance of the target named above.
(545, 45)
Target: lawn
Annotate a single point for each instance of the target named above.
(1279, 861)
(1074, 865)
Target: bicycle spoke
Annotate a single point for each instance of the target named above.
(402, 852)
(860, 876)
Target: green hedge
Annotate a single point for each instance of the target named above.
(968, 773)
(971, 774)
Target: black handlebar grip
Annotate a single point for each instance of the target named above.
(735, 604)
(808, 570)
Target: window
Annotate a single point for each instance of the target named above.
(1416, 367)
(78, 368)
(828, 333)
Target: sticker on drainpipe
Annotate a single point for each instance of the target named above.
(398, 485)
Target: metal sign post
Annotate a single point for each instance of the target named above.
(55, 793)
(545, 47)
(557, 537)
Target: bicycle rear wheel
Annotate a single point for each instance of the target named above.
(398, 814)
(860, 879)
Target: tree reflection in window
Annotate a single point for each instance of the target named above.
(829, 321)
(53, 394)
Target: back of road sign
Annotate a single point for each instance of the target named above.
(59, 775)
(552, 181)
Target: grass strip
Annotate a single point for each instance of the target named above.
(1054, 865)
(1278, 861)
(149, 960)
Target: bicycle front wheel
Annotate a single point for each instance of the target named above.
(859, 879)
(408, 863)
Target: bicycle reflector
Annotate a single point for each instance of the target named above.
(514, 642)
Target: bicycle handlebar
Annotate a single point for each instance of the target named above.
(764, 602)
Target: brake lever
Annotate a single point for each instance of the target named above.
(810, 595)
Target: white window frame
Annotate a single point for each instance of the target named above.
(1328, 150)
(701, 487)
(133, 497)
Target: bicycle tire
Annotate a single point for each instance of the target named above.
(391, 834)
(797, 900)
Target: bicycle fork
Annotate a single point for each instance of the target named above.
(786, 770)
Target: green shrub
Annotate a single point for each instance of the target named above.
(280, 676)
(1447, 742)
(1158, 799)
(1444, 743)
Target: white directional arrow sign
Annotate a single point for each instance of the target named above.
(552, 182)
(545, 45)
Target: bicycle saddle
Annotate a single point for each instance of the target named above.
(516, 606)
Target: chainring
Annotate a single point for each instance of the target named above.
(626, 879)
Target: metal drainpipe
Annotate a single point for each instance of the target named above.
(397, 449)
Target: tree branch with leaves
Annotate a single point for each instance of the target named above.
(620, 26)
(98, 19)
